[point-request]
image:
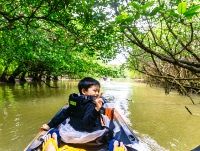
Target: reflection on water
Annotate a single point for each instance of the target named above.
(157, 118)
(164, 118)
(23, 108)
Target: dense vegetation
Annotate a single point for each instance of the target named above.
(43, 38)
(47, 39)
(163, 38)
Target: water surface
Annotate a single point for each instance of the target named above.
(160, 121)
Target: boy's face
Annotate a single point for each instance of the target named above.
(92, 91)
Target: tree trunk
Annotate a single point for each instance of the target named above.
(48, 78)
(3, 77)
(55, 78)
(17, 71)
(22, 78)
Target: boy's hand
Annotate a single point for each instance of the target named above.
(45, 127)
(99, 103)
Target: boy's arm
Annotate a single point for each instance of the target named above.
(58, 118)
(92, 114)
(90, 117)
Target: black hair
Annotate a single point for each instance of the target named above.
(86, 83)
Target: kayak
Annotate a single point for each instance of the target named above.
(125, 135)
(196, 148)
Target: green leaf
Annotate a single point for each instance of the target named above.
(191, 14)
(135, 5)
(193, 10)
(137, 16)
(155, 11)
(148, 4)
(182, 7)
(123, 16)
(173, 13)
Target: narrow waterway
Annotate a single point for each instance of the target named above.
(160, 121)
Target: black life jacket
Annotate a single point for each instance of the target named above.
(76, 103)
(76, 100)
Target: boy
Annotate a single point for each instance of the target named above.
(84, 113)
(83, 110)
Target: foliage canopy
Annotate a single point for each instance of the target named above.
(52, 38)
(55, 38)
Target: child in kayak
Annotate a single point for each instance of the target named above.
(82, 121)
(84, 108)
(82, 115)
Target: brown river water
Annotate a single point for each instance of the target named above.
(160, 121)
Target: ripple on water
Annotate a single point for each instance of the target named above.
(120, 100)
(151, 144)
(15, 138)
